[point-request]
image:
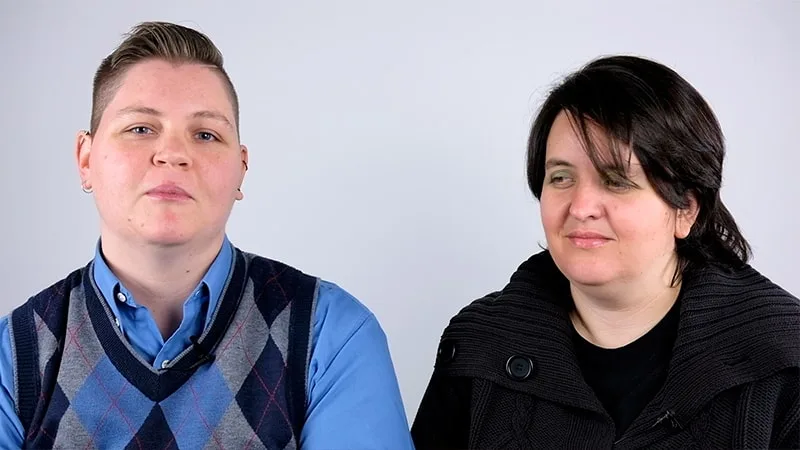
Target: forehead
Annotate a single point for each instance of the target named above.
(568, 142)
(170, 87)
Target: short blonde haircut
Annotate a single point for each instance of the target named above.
(155, 40)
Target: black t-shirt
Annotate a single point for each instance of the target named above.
(625, 379)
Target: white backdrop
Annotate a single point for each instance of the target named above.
(387, 139)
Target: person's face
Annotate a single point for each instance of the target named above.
(165, 162)
(599, 230)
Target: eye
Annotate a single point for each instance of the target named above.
(206, 136)
(560, 179)
(618, 184)
(140, 130)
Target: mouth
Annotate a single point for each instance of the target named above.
(587, 240)
(169, 192)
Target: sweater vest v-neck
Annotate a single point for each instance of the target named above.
(79, 384)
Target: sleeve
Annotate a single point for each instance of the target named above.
(11, 431)
(354, 398)
(443, 417)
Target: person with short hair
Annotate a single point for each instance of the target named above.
(171, 337)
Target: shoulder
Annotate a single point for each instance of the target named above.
(63, 287)
(274, 282)
(478, 309)
(341, 319)
(334, 307)
(743, 309)
(49, 301)
(535, 297)
(334, 302)
(261, 268)
(743, 294)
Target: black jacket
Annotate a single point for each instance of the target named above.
(506, 375)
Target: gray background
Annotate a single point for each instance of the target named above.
(387, 139)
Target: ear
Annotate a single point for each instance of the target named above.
(245, 163)
(686, 217)
(83, 148)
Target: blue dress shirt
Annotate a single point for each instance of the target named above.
(353, 395)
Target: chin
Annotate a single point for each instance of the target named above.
(586, 277)
(586, 269)
(167, 235)
(166, 241)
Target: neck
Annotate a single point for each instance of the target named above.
(614, 316)
(160, 278)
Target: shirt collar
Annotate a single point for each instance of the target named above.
(214, 279)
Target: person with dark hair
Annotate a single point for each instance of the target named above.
(641, 324)
(171, 337)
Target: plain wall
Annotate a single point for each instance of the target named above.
(387, 139)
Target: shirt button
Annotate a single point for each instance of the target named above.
(121, 297)
(164, 363)
(116, 322)
(519, 367)
(446, 351)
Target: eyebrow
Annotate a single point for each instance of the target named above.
(213, 115)
(557, 162)
(138, 110)
(204, 114)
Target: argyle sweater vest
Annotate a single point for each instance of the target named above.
(79, 384)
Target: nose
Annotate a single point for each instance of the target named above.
(172, 151)
(586, 202)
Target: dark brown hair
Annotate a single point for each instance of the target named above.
(651, 110)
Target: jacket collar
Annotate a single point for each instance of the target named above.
(735, 327)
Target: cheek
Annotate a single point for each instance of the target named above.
(645, 228)
(116, 167)
(552, 210)
(221, 176)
